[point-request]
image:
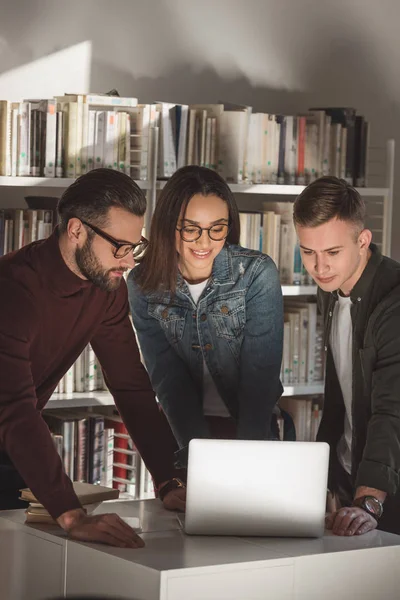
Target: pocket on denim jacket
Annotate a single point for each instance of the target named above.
(229, 316)
(171, 318)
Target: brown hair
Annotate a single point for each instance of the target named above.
(92, 195)
(328, 198)
(159, 267)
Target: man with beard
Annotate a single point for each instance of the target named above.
(57, 296)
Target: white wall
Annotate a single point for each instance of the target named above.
(276, 55)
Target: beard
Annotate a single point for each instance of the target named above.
(91, 268)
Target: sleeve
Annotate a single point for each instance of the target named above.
(380, 464)
(114, 344)
(24, 435)
(261, 353)
(178, 394)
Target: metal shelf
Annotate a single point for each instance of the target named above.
(80, 399)
(103, 398)
(238, 188)
(303, 389)
(50, 182)
(299, 290)
(292, 190)
(284, 190)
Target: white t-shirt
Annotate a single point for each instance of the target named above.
(213, 405)
(342, 345)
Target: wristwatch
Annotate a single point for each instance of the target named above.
(173, 484)
(371, 505)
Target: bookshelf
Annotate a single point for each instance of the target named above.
(299, 290)
(379, 199)
(81, 400)
(256, 192)
(104, 398)
(51, 182)
(284, 190)
(382, 195)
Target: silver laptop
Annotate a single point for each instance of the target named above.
(256, 488)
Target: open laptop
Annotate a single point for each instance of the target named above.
(256, 488)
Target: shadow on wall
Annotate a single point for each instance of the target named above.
(328, 82)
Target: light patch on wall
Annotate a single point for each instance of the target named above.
(65, 71)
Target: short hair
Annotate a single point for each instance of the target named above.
(159, 267)
(328, 198)
(92, 195)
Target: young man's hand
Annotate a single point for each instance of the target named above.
(175, 499)
(350, 520)
(107, 529)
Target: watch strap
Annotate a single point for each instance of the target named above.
(173, 484)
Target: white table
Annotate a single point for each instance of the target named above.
(38, 562)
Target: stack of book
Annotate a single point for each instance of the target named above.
(90, 496)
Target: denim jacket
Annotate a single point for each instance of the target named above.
(236, 327)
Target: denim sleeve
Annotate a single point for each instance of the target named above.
(176, 391)
(261, 352)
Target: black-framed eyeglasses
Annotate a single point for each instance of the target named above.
(191, 233)
(122, 249)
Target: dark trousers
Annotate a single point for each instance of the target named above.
(10, 484)
(225, 427)
(344, 492)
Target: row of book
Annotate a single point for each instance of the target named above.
(85, 445)
(97, 449)
(68, 135)
(306, 414)
(303, 355)
(272, 231)
(19, 227)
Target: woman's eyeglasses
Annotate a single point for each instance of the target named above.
(191, 233)
(121, 249)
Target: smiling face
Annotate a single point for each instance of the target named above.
(334, 253)
(196, 258)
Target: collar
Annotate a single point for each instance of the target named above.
(54, 271)
(222, 271)
(367, 276)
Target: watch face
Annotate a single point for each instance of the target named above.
(372, 504)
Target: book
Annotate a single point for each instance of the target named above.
(90, 496)
(87, 494)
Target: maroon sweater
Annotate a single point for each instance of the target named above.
(47, 317)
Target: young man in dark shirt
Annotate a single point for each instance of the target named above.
(57, 296)
(359, 296)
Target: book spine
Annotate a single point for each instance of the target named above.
(49, 169)
(282, 149)
(301, 128)
(99, 139)
(84, 149)
(90, 143)
(24, 118)
(59, 144)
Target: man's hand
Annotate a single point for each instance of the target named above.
(175, 499)
(350, 520)
(107, 529)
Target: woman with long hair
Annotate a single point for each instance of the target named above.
(208, 315)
